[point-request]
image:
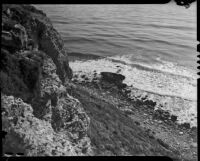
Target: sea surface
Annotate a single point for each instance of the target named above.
(154, 46)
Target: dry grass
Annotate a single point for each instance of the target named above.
(112, 132)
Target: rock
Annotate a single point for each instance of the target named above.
(39, 116)
(128, 112)
(181, 133)
(14, 35)
(83, 76)
(20, 73)
(123, 85)
(126, 92)
(161, 114)
(112, 77)
(166, 115)
(29, 22)
(185, 125)
(193, 129)
(150, 103)
(75, 76)
(66, 119)
(11, 41)
(29, 135)
(95, 79)
(137, 123)
(173, 118)
(69, 116)
(51, 43)
(31, 45)
(194, 145)
(151, 136)
(107, 85)
(67, 113)
(163, 143)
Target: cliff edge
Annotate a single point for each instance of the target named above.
(49, 111)
(38, 115)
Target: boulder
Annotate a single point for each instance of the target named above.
(185, 125)
(28, 135)
(113, 78)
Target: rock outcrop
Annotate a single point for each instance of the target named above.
(113, 78)
(27, 24)
(38, 114)
(28, 134)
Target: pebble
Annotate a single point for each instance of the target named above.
(137, 123)
(181, 133)
(194, 145)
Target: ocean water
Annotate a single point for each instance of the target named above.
(154, 46)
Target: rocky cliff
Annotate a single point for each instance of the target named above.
(46, 113)
(38, 114)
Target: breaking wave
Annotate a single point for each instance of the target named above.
(171, 86)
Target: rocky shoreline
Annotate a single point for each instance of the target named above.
(158, 123)
(109, 80)
(47, 111)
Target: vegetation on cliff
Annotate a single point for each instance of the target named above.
(38, 114)
(122, 126)
(44, 113)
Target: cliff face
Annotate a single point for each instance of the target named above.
(38, 114)
(46, 114)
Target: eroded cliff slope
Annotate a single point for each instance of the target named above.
(38, 115)
(44, 113)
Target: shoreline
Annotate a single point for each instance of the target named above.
(179, 137)
(164, 102)
(48, 111)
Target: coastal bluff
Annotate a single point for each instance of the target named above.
(55, 103)
(39, 117)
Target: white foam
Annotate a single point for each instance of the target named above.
(186, 110)
(175, 93)
(164, 66)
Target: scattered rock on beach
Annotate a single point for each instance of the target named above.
(185, 125)
(181, 133)
(173, 118)
(113, 78)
